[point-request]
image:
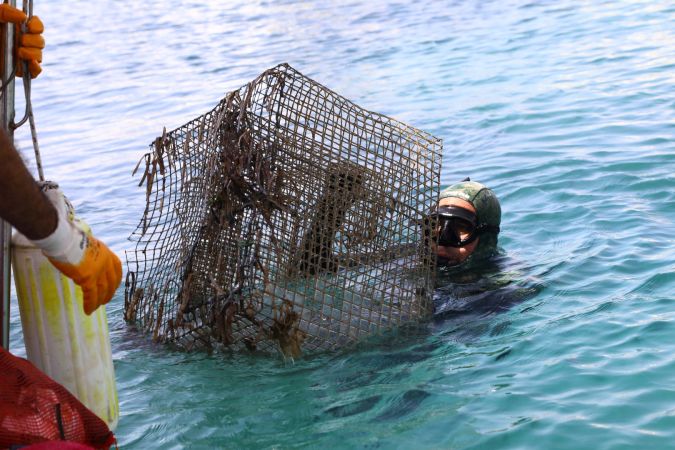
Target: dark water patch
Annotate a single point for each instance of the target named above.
(629, 166)
(530, 307)
(357, 407)
(656, 189)
(500, 328)
(659, 327)
(609, 60)
(404, 405)
(503, 354)
(655, 283)
(657, 141)
(489, 107)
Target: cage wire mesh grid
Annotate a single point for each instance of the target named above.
(287, 218)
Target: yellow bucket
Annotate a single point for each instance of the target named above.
(61, 340)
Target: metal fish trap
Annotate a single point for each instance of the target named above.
(284, 219)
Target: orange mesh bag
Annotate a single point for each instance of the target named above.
(34, 408)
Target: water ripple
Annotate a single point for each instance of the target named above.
(564, 108)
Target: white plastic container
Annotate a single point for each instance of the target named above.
(61, 340)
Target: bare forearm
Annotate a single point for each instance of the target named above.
(22, 204)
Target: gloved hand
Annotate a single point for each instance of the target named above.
(30, 43)
(79, 255)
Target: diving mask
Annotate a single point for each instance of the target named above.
(457, 227)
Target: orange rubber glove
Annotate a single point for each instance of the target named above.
(30, 43)
(79, 255)
(8, 13)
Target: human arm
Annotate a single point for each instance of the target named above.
(49, 221)
(22, 203)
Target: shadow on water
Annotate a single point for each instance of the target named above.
(466, 303)
(386, 379)
(492, 287)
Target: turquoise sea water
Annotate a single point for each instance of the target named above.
(565, 108)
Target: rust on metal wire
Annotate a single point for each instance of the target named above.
(285, 219)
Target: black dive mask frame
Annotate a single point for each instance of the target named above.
(455, 221)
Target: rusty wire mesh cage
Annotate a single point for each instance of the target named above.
(287, 218)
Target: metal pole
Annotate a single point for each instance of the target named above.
(6, 117)
(5, 240)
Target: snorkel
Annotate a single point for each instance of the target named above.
(488, 217)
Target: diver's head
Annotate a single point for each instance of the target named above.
(467, 222)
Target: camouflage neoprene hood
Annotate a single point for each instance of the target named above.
(488, 212)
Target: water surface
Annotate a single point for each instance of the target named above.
(565, 108)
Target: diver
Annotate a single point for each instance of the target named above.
(467, 220)
(473, 276)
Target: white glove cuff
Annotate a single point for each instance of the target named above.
(67, 243)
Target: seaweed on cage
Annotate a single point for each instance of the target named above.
(284, 219)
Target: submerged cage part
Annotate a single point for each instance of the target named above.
(287, 218)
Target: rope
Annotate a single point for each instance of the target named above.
(31, 122)
(28, 9)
